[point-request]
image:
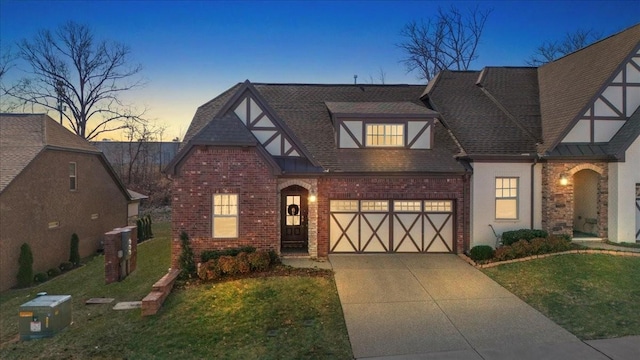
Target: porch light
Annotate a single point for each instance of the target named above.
(564, 180)
(312, 198)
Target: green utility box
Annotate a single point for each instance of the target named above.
(44, 316)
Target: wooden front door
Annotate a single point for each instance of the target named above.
(294, 219)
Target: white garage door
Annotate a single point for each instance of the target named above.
(391, 226)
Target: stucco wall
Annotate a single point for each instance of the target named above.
(623, 179)
(40, 195)
(483, 199)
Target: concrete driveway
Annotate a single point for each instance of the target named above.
(406, 306)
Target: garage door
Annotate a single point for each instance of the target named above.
(376, 226)
(637, 212)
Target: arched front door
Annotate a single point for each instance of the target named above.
(294, 219)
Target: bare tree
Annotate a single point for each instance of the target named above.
(7, 62)
(70, 69)
(447, 41)
(552, 50)
(381, 78)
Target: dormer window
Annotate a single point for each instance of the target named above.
(401, 124)
(385, 135)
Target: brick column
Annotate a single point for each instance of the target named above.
(112, 244)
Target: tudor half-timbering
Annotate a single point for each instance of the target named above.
(555, 147)
(319, 169)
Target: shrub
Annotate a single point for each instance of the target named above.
(40, 277)
(53, 272)
(510, 237)
(521, 248)
(139, 230)
(210, 270)
(215, 254)
(149, 226)
(539, 246)
(66, 266)
(74, 254)
(481, 252)
(504, 253)
(228, 265)
(558, 243)
(25, 269)
(259, 261)
(242, 261)
(186, 261)
(274, 259)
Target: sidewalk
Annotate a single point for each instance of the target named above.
(605, 246)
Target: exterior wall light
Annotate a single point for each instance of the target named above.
(312, 198)
(564, 180)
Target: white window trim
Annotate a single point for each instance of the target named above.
(516, 198)
(215, 216)
(73, 176)
(385, 136)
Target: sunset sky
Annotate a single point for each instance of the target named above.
(191, 51)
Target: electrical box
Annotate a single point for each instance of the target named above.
(44, 316)
(126, 244)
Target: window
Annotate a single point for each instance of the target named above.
(225, 215)
(437, 206)
(407, 206)
(506, 198)
(73, 180)
(343, 205)
(374, 205)
(385, 135)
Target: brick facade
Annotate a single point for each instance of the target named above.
(244, 171)
(558, 200)
(210, 170)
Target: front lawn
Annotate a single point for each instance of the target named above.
(592, 296)
(293, 315)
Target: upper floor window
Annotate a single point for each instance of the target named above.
(385, 135)
(506, 198)
(73, 178)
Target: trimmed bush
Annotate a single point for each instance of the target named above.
(481, 252)
(539, 246)
(504, 253)
(186, 261)
(40, 277)
(510, 237)
(228, 265)
(66, 266)
(74, 253)
(215, 254)
(274, 259)
(259, 261)
(210, 270)
(139, 230)
(53, 272)
(521, 248)
(25, 266)
(242, 261)
(558, 243)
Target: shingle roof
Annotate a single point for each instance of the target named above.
(621, 141)
(303, 109)
(479, 124)
(225, 130)
(568, 85)
(23, 136)
(379, 108)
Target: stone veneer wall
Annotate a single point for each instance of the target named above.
(558, 200)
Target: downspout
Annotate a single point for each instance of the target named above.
(533, 193)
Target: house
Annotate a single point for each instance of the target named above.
(313, 169)
(555, 147)
(52, 184)
(318, 169)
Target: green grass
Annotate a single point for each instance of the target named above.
(233, 319)
(592, 296)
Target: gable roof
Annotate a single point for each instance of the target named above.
(24, 136)
(568, 85)
(402, 108)
(491, 113)
(302, 109)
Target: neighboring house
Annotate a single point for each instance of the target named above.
(319, 169)
(52, 184)
(314, 169)
(555, 147)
